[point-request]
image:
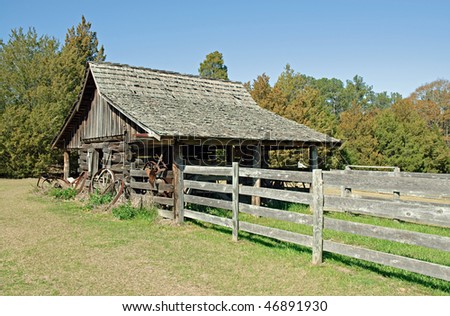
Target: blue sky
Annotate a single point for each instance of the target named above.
(395, 46)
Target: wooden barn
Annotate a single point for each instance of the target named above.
(128, 117)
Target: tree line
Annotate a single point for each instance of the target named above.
(40, 79)
(377, 129)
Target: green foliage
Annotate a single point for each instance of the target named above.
(39, 82)
(80, 46)
(28, 103)
(376, 128)
(396, 136)
(295, 98)
(406, 141)
(96, 199)
(126, 212)
(432, 101)
(63, 194)
(213, 67)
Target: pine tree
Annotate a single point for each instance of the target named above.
(213, 67)
(80, 46)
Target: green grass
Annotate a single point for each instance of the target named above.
(127, 212)
(96, 199)
(410, 251)
(63, 194)
(57, 247)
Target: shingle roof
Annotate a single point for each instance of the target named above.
(172, 104)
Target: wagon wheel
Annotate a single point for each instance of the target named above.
(61, 183)
(102, 182)
(45, 183)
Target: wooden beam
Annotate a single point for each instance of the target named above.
(275, 174)
(408, 211)
(413, 265)
(178, 167)
(276, 233)
(66, 164)
(313, 158)
(388, 182)
(202, 170)
(256, 200)
(216, 220)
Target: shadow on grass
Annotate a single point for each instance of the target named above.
(390, 272)
(384, 271)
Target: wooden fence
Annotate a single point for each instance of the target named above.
(396, 184)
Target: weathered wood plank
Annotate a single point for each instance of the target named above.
(262, 211)
(317, 209)
(208, 201)
(217, 171)
(392, 234)
(445, 176)
(282, 195)
(160, 187)
(389, 183)
(273, 174)
(178, 194)
(221, 221)
(165, 213)
(140, 185)
(163, 200)
(208, 186)
(138, 173)
(422, 213)
(275, 233)
(413, 265)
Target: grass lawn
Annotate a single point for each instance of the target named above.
(50, 247)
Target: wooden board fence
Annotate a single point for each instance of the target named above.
(423, 213)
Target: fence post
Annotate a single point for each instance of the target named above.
(235, 200)
(317, 209)
(178, 177)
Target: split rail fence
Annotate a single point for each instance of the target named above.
(396, 184)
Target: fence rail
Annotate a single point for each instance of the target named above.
(417, 212)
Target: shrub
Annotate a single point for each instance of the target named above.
(96, 199)
(63, 194)
(126, 211)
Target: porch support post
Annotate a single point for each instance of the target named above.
(178, 167)
(256, 200)
(313, 158)
(66, 164)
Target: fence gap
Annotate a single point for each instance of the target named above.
(317, 209)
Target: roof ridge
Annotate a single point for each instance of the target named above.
(167, 72)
